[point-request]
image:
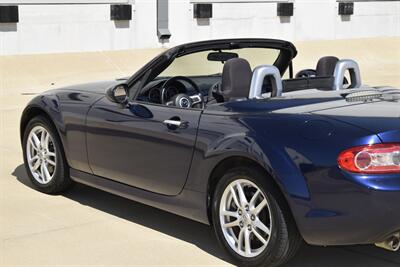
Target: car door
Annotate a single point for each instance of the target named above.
(144, 145)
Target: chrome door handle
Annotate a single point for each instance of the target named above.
(175, 124)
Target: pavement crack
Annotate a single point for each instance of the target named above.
(52, 230)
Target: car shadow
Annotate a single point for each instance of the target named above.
(202, 235)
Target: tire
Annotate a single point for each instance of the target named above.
(283, 241)
(50, 155)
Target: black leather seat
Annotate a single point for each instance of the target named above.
(320, 78)
(326, 66)
(236, 80)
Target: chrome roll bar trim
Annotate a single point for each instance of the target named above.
(340, 70)
(257, 81)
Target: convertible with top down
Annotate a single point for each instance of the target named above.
(223, 132)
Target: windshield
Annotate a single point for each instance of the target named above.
(197, 64)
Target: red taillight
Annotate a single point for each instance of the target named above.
(379, 158)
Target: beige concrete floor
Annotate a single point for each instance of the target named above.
(88, 227)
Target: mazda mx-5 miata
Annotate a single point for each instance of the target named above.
(223, 133)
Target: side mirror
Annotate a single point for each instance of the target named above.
(118, 93)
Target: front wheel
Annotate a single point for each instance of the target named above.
(251, 220)
(44, 157)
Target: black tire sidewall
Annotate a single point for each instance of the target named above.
(61, 169)
(277, 217)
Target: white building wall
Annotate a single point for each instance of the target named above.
(55, 27)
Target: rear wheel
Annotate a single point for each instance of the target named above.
(251, 221)
(44, 157)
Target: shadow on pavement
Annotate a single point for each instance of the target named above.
(203, 237)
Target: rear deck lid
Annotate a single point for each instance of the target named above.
(380, 114)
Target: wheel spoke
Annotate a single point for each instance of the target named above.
(35, 141)
(260, 206)
(51, 154)
(232, 224)
(45, 171)
(253, 200)
(234, 196)
(46, 141)
(51, 162)
(260, 237)
(240, 239)
(242, 196)
(230, 213)
(36, 166)
(41, 173)
(260, 225)
(33, 145)
(36, 157)
(43, 138)
(247, 246)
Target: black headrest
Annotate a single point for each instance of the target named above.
(326, 66)
(236, 79)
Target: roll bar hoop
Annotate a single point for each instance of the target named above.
(340, 70)
(257, 81)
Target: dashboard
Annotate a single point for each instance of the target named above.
(153, 93)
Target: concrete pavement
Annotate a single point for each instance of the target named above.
(88, 227)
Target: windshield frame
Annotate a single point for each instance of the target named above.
(157, 65)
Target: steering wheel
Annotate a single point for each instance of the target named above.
(307, 73)
(182, 100)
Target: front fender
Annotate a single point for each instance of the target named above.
(67, 110)
(47, 104)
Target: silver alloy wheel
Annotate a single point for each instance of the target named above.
(41, 154)
(245, 218)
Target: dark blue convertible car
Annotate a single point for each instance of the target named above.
(224, 133)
